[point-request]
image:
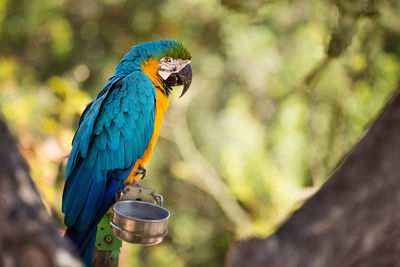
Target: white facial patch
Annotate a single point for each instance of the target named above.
(169, 65)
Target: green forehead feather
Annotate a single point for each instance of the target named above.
(174, 49)
(179, 51)
(160, 49)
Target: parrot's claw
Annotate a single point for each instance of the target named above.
(141, 170)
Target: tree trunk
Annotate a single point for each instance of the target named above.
(28, 236)
(353, 220)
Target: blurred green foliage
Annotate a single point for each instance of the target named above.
(269, 115)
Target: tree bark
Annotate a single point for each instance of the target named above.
(353, 220)
(28, 236)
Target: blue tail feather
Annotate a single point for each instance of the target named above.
(72, 201)
(96, 193)
(83, 232)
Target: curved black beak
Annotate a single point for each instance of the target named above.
(183, 77)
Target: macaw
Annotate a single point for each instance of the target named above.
(117, 133)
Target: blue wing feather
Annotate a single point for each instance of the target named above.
(114, 131)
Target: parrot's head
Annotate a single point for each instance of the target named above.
(174, 65)
(166, 60)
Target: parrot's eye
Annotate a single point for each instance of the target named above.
(168, 59)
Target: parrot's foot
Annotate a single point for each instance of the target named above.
(141, 170)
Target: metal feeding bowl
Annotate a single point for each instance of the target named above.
(139, 222)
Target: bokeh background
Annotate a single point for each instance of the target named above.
(281, 91)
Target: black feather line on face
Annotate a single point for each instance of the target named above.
(169, 82)
(167, 89)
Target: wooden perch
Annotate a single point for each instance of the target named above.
(353, 220)
(28, 236)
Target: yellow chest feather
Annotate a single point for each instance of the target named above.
(150, 68)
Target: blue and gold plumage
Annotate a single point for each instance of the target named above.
(115, 132)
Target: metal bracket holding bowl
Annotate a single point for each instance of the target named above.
(137, 221)
(134, 192)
